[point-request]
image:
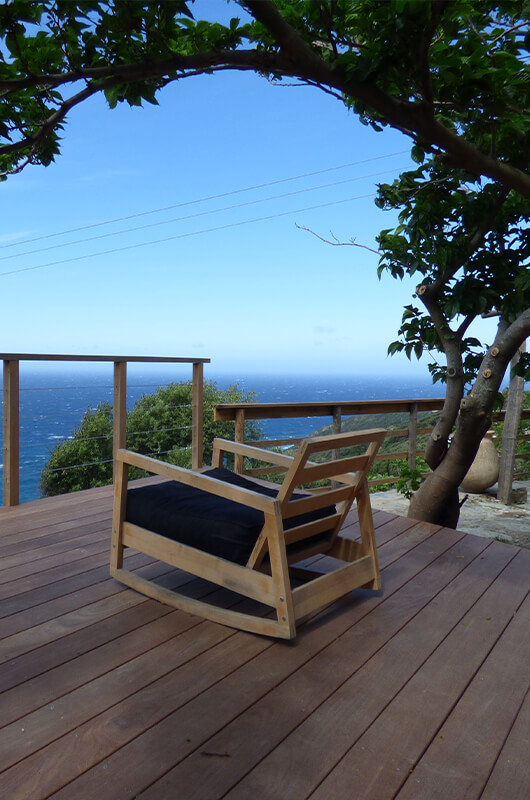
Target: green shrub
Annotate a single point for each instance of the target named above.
(159, 424)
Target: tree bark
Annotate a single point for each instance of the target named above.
(512, 419)
(436, 500)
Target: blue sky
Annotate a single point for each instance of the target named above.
(254, 296)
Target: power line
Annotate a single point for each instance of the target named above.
(185, 235)
(193, 216)
(200, 200)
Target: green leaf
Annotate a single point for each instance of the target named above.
(418, 154)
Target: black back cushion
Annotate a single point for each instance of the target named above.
(197, 518)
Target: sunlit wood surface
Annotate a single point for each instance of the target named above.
(419, 692)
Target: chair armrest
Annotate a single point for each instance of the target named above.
(238, 494)
(238, 448)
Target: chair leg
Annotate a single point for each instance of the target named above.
(120, 499)
(280, 574)
(366, 524)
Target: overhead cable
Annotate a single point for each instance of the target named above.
(193, 216)
(200, 200)
(185, 235)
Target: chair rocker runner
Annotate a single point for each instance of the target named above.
(245, 535)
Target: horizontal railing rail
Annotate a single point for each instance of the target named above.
(242, 412)
(11, 406)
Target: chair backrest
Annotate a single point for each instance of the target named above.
(316, 518)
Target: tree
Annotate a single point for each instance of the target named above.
(469, 246)
(452, 75)
(159, 424)
(85, 460)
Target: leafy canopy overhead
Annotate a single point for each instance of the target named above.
(451, 74)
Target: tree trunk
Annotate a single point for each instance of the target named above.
(437, 500)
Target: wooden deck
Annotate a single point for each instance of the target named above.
(420, 691)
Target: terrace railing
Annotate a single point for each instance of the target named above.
(240, 413)
(11, 406)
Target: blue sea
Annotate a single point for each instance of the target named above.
(52, 403)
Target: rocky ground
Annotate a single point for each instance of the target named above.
(481, 514)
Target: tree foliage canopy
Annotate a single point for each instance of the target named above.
(452, 74)
(159, 425)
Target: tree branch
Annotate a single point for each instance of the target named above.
(35, 140)
(236, 59)
(410, 118)
(465, 325)
(437, 10)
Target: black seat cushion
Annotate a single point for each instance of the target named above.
(214, 524)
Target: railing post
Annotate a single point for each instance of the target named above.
(197, 402)
(337, 428)
(413, 427)
(512, 419)
(11, 433)
(119, 416)
(239, 437)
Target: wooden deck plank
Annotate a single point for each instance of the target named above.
(105, 658)
(39, 557)
(36, 662)
(465, 746)
(37, 515)
(29, 696)
(51, 534)
(107, 694)
(77, 671)
(66, 603)
(359, 672)
(512, 768)
(47, 563)
(427, 699)
(72, 710)
(55, 574)
(95, 740)
(23, 601)
(239, 691)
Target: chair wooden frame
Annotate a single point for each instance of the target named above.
(266, 577)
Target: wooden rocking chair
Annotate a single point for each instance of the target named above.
(244, 535)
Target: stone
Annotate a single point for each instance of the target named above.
(518, 497)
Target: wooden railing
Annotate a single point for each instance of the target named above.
(521, 471)
(11, 428)
(240, 413)
(337, 411)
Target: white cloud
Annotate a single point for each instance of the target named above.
(15, 236)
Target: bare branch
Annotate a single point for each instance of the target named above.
(337, 242)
